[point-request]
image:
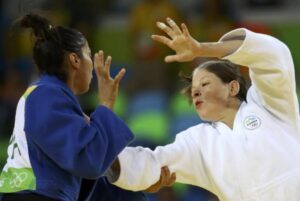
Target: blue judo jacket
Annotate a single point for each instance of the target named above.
(53, 148)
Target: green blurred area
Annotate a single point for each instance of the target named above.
(289, 33)
(120, 51)
(3, 151)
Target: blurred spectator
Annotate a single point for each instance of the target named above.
(12, 88)
(149, 70)
(260, 3)
(216, 18)
(142, 24)
(86, 15)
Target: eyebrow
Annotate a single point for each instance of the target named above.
(208, 76)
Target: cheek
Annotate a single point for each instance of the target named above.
(88, 67)
(219, 94)
(210, 96)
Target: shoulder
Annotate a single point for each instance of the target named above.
(48, 98)
(47, 93)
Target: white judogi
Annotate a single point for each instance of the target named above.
(257, 160)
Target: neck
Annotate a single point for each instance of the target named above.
(70, 83)
(230, 113)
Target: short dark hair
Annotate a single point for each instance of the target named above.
(225, 70)
(52, 43)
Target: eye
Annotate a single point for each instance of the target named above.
(204, 84)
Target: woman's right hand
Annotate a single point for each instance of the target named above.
(185, 46)
(166, 180)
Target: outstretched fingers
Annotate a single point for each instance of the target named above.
(119, 76)
(177, 57)
(102, 67)
(162, 39)
(98, 62)
(107, 67)
(181, 41)
(98, 56)
(176, 30)
(166, 29)
(172, 58)
(185, 30)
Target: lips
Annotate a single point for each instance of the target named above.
(198, 104)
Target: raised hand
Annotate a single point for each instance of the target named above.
(108, 87)
(185, 46)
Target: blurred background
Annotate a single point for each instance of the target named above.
(149, 100)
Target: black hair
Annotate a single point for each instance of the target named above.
(52, 44)
(223, 69)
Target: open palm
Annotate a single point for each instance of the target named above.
(180, 41)
(108, 87)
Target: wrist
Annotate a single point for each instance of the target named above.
(210, 49)
(198, 50)
(107, 104)
(113, 172)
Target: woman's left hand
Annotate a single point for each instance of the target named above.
(108, 87)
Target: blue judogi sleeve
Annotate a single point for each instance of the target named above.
(54, 122)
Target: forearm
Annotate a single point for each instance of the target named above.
(138, 169)
(218, 49)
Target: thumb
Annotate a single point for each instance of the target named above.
(171, 58)
(119, 76)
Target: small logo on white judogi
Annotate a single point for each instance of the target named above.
(252, 122)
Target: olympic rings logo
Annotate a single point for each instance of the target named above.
(18, 179)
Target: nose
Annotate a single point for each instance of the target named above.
(196, 93)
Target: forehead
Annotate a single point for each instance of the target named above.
(200, 74)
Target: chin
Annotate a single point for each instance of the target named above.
(83, 91)
(86, 90)
(205, 117)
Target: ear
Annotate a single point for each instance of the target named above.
(234, 88)
(74, 60)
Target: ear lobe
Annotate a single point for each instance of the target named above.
(74, 60)
(234, 87)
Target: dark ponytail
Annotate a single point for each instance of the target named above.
(41, 27)
(52, 44)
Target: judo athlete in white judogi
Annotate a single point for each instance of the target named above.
(251, 149)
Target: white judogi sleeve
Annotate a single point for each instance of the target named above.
(271, 71)
(141, 167)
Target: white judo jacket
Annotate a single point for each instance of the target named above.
(257, 160)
